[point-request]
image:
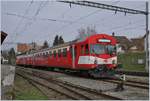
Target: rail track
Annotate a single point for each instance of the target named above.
(68, 89)
(137, 84)
(131, 83)
(133, 73)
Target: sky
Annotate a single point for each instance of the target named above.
(28, 21)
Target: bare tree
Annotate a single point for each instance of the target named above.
(84, 33)
(45, 44)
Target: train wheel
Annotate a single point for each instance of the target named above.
(97, 72)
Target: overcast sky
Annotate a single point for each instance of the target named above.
(37, 21)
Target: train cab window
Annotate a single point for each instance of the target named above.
(64, 52)
(86, 49)
(54, 52)
(59, 53)
(82, 49)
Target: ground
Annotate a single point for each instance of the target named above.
(23, 90)
(7, 79)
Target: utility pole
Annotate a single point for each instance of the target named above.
(147, 42)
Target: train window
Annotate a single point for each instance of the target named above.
(86, 49)
(47, 53)
(82, 49)
(64, 52)
(75, 51)
(50, 53)
(59, 53)
(54, 52)
(70, 49)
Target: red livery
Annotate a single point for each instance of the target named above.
(95, 54)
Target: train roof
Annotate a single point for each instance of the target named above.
(66, 44)
(53, 47)
(59, 46)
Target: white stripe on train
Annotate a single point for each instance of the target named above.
(91, 60)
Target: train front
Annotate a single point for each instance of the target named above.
(103, 55)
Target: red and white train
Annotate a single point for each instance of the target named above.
(96, 55)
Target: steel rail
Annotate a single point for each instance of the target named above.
(130, 83)
(96, 92)
(127, 83)
(50, 85)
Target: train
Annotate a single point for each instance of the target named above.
(95, 55)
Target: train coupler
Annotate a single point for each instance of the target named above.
(120, 86)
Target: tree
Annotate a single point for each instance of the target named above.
(12, 56)
(45, 44)
(61, 40)
(84, 33)
(56, 40)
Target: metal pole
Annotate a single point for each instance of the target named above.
(73, 56)
(147, 43)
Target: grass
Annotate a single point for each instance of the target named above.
(129, 61)
(25, 91)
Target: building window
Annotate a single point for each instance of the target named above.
(64, 52)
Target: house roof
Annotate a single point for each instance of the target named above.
(122, 39)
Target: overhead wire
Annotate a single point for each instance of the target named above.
(128, 24)
(26, 11)
(86, 16)
(42, 19)
(135, 27)
(19, 23)
(41, 5)
(80, 18)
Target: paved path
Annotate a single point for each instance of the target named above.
(7, 81)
